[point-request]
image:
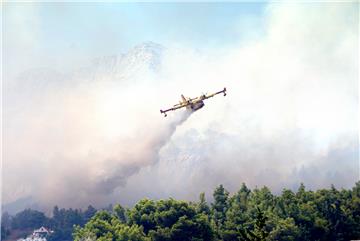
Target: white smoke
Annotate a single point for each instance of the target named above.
(290, 116)
(84, 141)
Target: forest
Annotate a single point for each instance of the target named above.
(62, 222)
(258, 214)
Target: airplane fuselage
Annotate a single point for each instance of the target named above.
(196, 106)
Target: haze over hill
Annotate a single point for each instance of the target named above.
(94, 134)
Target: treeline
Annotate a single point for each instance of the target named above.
(61, 222)
(326, 214)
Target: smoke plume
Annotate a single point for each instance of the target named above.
(95, 134)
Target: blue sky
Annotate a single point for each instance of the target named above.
(97, 29)
(128, 23)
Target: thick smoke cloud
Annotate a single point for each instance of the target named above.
(76, 158)
(144, 151)
(96, 136)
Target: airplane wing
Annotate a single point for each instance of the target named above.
(192, 99)
(180, 104)
(212, 95)
(177, 106)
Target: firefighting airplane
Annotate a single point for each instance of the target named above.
(193, 104)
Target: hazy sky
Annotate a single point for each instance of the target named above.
(79, 131)
(42, 32)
